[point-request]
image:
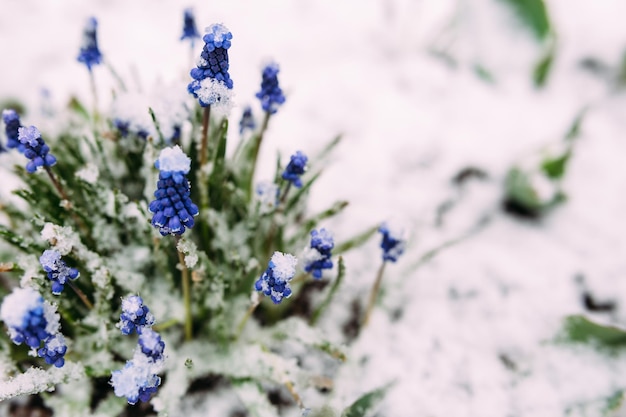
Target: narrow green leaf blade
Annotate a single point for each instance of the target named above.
(533, 14)
(366, 403)
(579, 329)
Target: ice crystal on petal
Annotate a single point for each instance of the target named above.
(173, 159)
(54, 350)
(275, 280)
(317, 256)
(135, 315)
(35, 149)
(151, 344)
(57, 270)
(137, 381)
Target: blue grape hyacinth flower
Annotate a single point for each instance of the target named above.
(11, 126)
(393, 243)
(135, 315)
(295, 168)
(211, 81)
(151, 344)
(275, 280)
(271, 95)
(58, 271)
(190, 31)
(317, 256)
(138, 380)
(53, 350)
(247, 121)
(89, 52)
(173, 209)
(24, 313)
(35, 149)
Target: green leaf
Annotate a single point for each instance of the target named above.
(366, 403)
(76, 106)
(579, 329)
(533, 14)
(484, 74)
(574, 130)
(356, 241)
(341, 272)
(543, 67)
(156, 123)
(613, 403)
(555, 167)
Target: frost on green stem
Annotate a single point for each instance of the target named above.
(89, 173)
(32, 269)
(36, 380)
(62, 238)
(190, 250)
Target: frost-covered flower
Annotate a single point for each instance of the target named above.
(190, 30)
(35, 149)
(57, 270)
(393, 243)
(151, 344)
(317, 256)
(271, 95)
(267, 194)
(138, 380)
(89, 53)
(295, 168)
(275, 280)
(135, 315)
(11, 125)
(173, 209)
(211, 81)
(53, 350)
(247, 121)
(24, 313)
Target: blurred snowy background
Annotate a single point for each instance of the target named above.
(421, 90)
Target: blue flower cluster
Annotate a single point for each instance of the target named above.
(123, 126)
(173, 209)
(211, 80)
(295, 168)
(35, 149)
(247, 121)
(58, 271)
(275, 280)
(190, 30)
(317, 257)
(393, 243)
(89, 53)
(11, 125)
(138, 379)
(33, 321)
(135, 316)
(271, 95)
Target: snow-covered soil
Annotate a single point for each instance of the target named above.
(470, 332)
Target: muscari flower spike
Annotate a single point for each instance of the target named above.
(135, 316)
(53, 350)
(58, 271)
(11, 125)
(151, 344)
(138, 380)
(173, 209)
(271, 95)
(35, 149)
(89, 53)
(393, 243)
(317, 256)
(247, 121)
(295, 168)
(211, 82)
(190, 30)
(275, 280)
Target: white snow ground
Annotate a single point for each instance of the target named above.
(411, 122)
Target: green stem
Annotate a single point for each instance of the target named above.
(257, 148)
(186, 292)
(165, 325)
(94, 92)
(81, 295)
(205, 136)
(373, 295)
(247, 316)
(341, 269)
